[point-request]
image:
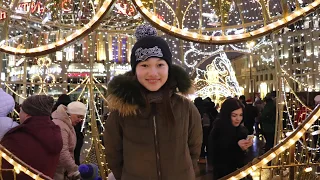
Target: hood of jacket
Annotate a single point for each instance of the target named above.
(43, 131)
(125, 93)
(62, 115)
(6, 104)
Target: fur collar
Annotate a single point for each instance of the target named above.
(125, 95)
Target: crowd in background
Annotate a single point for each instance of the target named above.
(47, 137)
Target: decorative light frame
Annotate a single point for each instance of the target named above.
(19, 165)
(227, 39)
(56, 46)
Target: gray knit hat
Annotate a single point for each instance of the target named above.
(38, 105)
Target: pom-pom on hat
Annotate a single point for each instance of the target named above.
(149, 45)
(77, 108)
(89, 172)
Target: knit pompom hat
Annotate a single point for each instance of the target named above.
(149, 45)
(89, 172)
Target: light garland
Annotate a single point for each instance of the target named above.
(200, 38)
(196, 51)
(21, 166)
(49, 48)
(218, 79)
(290, 119)
(22, 97)
(43, 64)
(297, 81)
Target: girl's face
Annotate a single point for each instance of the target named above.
(152, 73)
(236, 117)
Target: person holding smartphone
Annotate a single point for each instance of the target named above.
(228, 140)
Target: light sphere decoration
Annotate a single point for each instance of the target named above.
(18, 13)
(198, 19)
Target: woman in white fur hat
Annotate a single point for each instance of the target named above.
(66, 118)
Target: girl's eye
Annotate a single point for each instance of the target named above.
(144, 65)
(160, 65)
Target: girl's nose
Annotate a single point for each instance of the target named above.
(153, 71)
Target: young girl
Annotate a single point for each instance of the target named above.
(152, 132)
(228, 140)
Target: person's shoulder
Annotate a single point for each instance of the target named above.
(61, 124)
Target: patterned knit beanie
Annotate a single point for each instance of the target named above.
(149, 45)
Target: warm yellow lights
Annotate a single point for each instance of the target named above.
(186, 35)
(106, 6)
(17, 170)
(251, 44)
(308, 169)
(18, 167)
(291, 142)
(307, 126)
(139, 3)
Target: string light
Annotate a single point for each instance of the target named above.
(200, 38)
(19, 165)
(45, 49)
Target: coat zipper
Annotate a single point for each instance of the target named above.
(157, 148)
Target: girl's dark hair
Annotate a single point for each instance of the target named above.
(229, 105)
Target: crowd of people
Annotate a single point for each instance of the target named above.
(46, 138)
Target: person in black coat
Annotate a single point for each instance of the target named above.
(250, 114)
(228, 140)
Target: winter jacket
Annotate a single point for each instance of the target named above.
(6, 106)
(225, 155)
(37, 142)
(66, 161)
(139, 145)
(268, 117)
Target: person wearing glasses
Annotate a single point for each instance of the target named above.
(66, 117)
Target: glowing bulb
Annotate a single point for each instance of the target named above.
(17, 170)
(308, 169)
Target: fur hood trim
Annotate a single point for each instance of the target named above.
(125, 95)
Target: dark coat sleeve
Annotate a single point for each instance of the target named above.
(195, 134)
(113, 137)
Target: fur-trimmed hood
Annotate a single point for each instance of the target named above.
(126, 96)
